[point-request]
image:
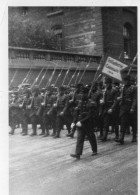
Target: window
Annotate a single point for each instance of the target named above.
(127, 37)
(57, 31)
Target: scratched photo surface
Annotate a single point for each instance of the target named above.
(72, 92)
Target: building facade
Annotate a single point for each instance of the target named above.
(91, 31)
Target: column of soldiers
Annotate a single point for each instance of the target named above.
(85, 109)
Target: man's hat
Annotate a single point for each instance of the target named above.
(79, 85)
(61, 88)
(108, 80)
(115, 82)
(35, 89)
(16, 92)
(85, 89)
(27, 91)
(49, 88)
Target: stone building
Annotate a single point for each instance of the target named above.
(82, 33)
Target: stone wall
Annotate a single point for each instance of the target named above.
(83, 30)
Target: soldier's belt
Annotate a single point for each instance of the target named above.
(109, 101)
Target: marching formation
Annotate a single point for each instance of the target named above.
(82, 108)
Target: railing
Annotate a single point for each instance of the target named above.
(16, 53)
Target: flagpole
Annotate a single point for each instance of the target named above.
(134, 59)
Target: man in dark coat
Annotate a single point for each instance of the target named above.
(85, 110)
(128, 108)
(48, 103)
(35, 107)
(109, 104)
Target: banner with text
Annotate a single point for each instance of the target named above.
(113, 68)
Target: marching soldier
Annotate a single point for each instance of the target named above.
(61, 106)
(115, 122)
(35, 108)
(109, 104)
(26, 111)
(84, 124)
(16, 114)
(77, 96)
(96, 95)
(48, 120)
(128, 109)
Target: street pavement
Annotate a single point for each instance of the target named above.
(43, 166)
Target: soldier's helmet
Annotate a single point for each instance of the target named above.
(116, 83)
(85, 90)
(35, 89)
(27, 91)
(79, 85)
(49, 88)
(62, 88)
(16, 93)
(108, 80)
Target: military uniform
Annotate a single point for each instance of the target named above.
(109, 105)
(85, 110)
(73, 103)
(26, 111)
(96, 95)
(128, 108)
(61, 106)
(16, 115)
(48, 120)
(35, 108)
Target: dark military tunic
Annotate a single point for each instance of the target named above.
(85, 115)
(34, 114)
(61, 104)
(16, 114)
(49, 120)
(110, 102)
(128, 103)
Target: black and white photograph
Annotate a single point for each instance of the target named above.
(72, 99)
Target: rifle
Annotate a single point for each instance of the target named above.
(84, 71)
(13, 77)
(37, 77)
(66, 74)
(44, 75)
(59, 75)
(50, 79)
(73, 75)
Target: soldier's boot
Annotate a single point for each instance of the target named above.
(22, 132)
(47, 133)
(12, 131)
(25, 132)
(53, 133)
(134, 137)
(128, 130)
(57, 135)
(116, 133)
(34, 131)
(71, 134)
(101, 133)
(121, 139)
(105, 134)
(43, 131)
(77, 156)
